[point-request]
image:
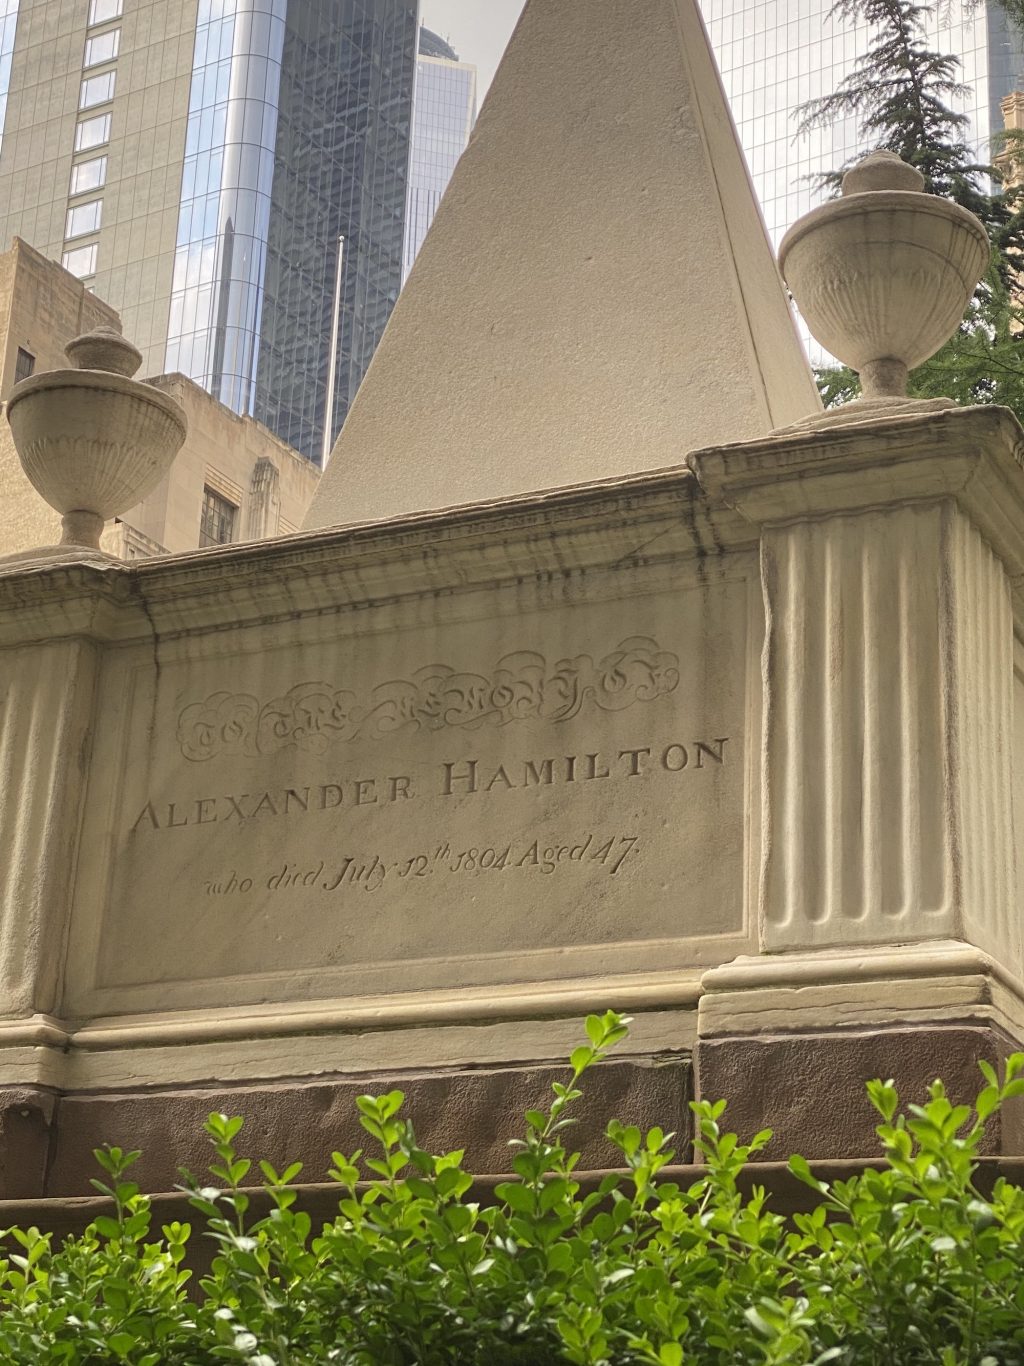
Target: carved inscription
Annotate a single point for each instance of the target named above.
(314, 716)
(463, 778)
(594, 851)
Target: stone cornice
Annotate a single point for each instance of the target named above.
(973, 455)
(618, 523)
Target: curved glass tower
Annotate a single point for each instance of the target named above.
(444, 111)
(289, 245)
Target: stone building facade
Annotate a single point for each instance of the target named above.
(234, 480)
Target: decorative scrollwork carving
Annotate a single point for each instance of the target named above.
(314, 716)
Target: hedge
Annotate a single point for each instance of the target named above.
(903, 1265)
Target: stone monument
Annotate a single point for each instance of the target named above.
(597, 294)
(730, 737)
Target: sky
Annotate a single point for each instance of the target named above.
(478, 30)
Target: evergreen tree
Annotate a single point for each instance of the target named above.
(900, 92)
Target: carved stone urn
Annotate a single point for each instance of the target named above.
(883, 277)
(93, 440)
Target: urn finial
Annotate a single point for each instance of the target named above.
(104, 349)
(883, 170)
(883, 277)
(92, 440)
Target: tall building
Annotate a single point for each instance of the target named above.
(775, 55)
(444, 111)
(230, 175)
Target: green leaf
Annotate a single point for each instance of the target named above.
(801, 1169)
(988, 1072)
(516, 1196)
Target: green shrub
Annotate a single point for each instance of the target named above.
(909, 1264)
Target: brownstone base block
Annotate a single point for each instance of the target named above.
(46, 1143)
(26, 1130)
(809, 1089)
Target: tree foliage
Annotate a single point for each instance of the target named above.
(983, 362)
(901, 93)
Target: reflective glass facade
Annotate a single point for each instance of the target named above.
(8, 25)
(227, 179)
(775, 55)
(444, 111)
(296, 168)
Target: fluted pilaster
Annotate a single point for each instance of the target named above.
(46, 702)
(888, 732)
(890, 555)
(860, 845)
(980, 734)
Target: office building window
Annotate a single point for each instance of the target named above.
(24, 365)
(97, 89)
(103, 48)
(100, 11)
(88, 175)
(217, 524)
(84, 218)
(81, 261)
(92, 133)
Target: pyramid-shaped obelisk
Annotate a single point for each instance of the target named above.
(597, 295)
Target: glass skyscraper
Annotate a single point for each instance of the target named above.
(231, 175)
(775, 55)
(288, 259)
(444, 111)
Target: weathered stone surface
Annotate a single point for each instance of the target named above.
(597, 293)
(884, 274)
(891, 553)
(479, 1110)
(276, 763)
(513, 782)
(810, 1088)
(27, 1127)
(92, 440)
(428, 797)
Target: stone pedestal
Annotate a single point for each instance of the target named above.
(740, 752)
(889, 906)
(392, 805)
